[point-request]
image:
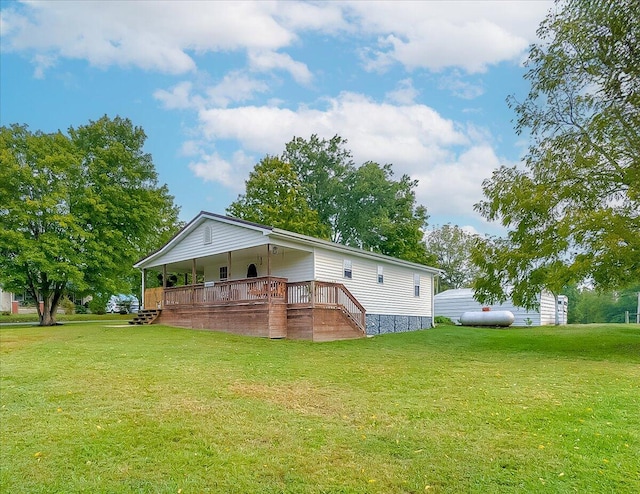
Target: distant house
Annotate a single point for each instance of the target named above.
(247, 278)
(5, 300)
(453, 303)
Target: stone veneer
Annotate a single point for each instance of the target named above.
(383, 324)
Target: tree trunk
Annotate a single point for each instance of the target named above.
(49, 309)
(555, 298)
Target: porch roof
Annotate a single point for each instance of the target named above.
(281, 237)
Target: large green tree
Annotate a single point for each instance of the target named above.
(316, 189)
(452, 248)
(274, 196)
(381, 214)
(573, 209)
(322, 166)
(77, 210)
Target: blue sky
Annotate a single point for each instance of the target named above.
(218, 85)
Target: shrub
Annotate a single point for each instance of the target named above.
(81, 309)
(98, 304)
(67, 305)
(444, 320)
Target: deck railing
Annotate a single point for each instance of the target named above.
(224, 292)
(267, 289)
(324, 294)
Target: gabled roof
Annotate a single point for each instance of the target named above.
(275, 234)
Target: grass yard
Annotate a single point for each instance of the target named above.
(94, 408)
(33, 318)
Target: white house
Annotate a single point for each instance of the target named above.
(6, 298)
(453, 303)
(248, 278)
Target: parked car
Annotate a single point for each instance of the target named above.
(123, 304)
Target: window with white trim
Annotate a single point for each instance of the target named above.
(347, 269)
(380, 275)
(416, 285)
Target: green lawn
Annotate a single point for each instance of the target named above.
(93, 408)
(20, 318)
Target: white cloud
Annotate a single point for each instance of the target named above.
(404, 94)
(167, 36)
(214, 168)
(324, 16)
(450, 161)
(234, 87)
(451, 188)
(178, 98)
(459, 87)
(435, 35)
(151, 35)
(265, 61)
(379, 132)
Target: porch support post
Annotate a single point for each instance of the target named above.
(229, 265)
(193, 271)
(164, 285)
(268, 259)
(144, 284)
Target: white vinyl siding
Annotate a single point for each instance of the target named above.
(224, 238)
(294, 265)
(547, 309)
(393, 297)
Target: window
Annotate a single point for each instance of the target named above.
(416, 285)
(208, 235)
(347, 269)
(380, 275)
(223, 272)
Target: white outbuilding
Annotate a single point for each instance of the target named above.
(453, 303)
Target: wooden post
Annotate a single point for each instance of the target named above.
(164, 285)
(229, 265)
(268, 259)
(144, 287)
(193, 272)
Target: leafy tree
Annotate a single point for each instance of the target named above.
(593, 306)
(322, 166)
(452, 248)
(77, 211)
(275, 197)
(574, 209)
(381, 214)
(315, 189)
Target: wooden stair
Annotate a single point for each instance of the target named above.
(354, 322)
(146, 316)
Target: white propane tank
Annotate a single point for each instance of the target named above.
(488, 318)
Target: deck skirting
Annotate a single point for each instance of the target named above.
(274, 320)
(385, 323)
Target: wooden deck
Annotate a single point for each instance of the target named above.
(268, 307)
